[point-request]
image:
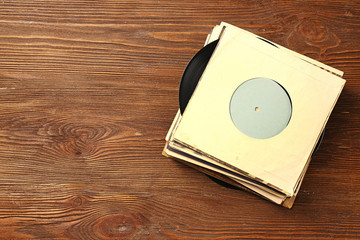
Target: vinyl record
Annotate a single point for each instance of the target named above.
(192, 75)
(193, 72)
(190, 79)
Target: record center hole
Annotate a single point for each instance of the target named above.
(257, 109)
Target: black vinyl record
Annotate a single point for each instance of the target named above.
(190, 79)
(192, 75)
(193, 72)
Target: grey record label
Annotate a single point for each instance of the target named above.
(260, 108)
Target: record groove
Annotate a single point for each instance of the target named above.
(193, 72)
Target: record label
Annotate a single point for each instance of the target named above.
(260, 108)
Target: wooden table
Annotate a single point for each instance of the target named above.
(88, 90)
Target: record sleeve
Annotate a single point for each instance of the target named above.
(313, 93)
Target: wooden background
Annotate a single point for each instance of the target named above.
(88, 90)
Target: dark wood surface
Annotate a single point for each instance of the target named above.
(88, 90)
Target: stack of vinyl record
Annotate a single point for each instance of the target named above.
(252, 113)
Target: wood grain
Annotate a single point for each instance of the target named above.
(88, 90)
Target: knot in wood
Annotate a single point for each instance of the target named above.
(313, 30)
(117, 226)
(77, 202)
(312, 36)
